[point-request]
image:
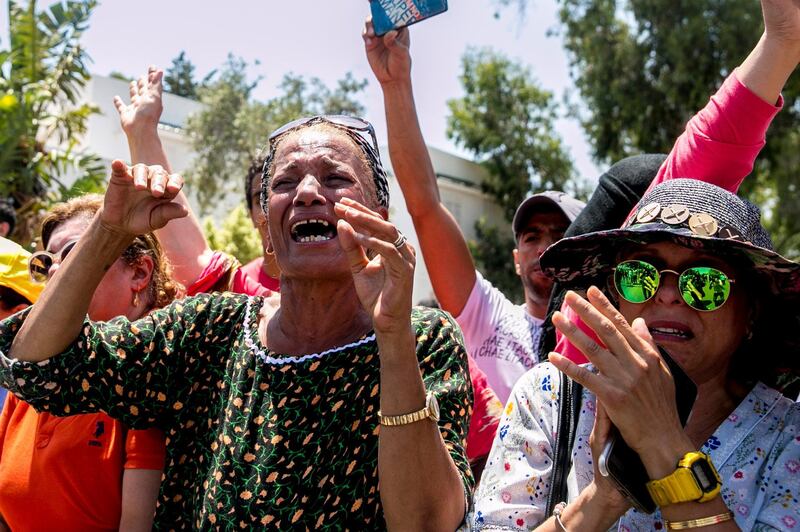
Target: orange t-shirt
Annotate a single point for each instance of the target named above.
(65, 473)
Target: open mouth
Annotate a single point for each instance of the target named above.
(313, 230)
(668, 333)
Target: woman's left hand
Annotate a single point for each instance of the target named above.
(634, 383)
(384, 283)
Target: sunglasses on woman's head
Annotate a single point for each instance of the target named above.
(348, 122)
(702, 288)
(40, 262)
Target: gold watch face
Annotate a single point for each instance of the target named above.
(433, 407)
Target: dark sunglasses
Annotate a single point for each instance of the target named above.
(40, 262)
(348, 122)
(701, 287)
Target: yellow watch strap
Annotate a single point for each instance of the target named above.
(680, 486)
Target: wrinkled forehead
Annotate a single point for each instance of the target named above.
(317, 144)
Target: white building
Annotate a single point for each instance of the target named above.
(459, 179)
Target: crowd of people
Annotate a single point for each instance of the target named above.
(156, 383)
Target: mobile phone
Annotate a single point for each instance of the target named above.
(388, 15)
(623, 466)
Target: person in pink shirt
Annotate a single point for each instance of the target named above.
(264, 269)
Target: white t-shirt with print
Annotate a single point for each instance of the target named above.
(500, 336)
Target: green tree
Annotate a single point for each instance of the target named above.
(235, 236)
(507, 121)
(233, 126)
(491, 250)
(644, 67)
(179, 78)
(42, 120)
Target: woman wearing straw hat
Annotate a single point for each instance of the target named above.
(692, 271)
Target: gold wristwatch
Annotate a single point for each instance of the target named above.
(431, 411)
(696, 479)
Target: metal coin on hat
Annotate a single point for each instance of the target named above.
(648, 213)
(675, 214)
(703, 224)
(729, 233)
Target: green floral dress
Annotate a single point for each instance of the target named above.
(253, 437)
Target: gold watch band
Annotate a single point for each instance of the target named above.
(429, 411)
(403, 419)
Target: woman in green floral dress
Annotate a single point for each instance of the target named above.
(280, 415)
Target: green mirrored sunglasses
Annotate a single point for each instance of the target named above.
(702, 288)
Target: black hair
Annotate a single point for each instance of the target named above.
(769, 352)
(10, 298)
(8, 214)
(254, 171)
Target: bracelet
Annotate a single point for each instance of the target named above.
(699, 523)
(557, 511)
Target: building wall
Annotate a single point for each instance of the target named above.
(459, 179)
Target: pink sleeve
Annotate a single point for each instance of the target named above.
(721, 142)
(486, 412)
(242, 284)
(564, 347)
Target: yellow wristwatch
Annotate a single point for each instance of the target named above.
(431, 411)
(695, 479)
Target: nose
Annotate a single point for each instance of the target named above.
(668, 292)
(308, 192)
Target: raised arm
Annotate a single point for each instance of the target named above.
(721, 142)
(183, 240)
(442, 243)
(134, 205)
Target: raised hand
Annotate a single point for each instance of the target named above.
(383, 283)
(139, 199)
(782, 20)
(145, 108)
(389, 55)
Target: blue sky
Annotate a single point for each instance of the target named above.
(322, 38)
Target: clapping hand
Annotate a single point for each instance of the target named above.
(383, 283)
(633, 384)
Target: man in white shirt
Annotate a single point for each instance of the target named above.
(500, 336)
